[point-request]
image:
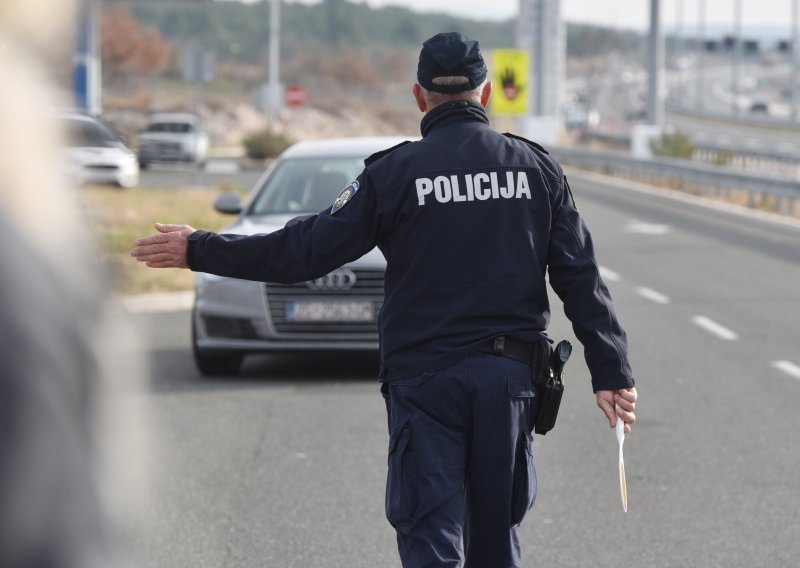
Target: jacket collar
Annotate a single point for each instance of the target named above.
(453, 111)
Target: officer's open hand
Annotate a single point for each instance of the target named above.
(167, 249)
(623, 400)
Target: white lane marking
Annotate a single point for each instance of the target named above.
(608, 274)
(643, 228)
(222, 167)
(787, 367)
(714, 328)
(651, 294)
(165, 302)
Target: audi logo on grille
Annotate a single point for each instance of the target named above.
(342, 279)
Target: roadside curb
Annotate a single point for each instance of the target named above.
(157, 303)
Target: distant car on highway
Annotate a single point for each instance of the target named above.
(232, 318)
(94, 154)
(172, 137)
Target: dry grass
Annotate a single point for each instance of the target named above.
(118, 217)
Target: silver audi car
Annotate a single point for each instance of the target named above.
(233, 318)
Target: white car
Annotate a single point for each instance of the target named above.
(94, 155)
(173, 137)
(232, 317)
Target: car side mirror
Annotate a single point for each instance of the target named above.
(228, 203)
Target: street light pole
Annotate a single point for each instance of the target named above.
(86, 69)
(655, 105)
(737, 57)
(701, 54)
(274, 61)
(678, 29)
(795, 88)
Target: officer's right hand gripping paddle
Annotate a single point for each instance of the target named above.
(623, 488)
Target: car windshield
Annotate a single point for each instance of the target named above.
(89, 134)
(174, 127)
(306, 185)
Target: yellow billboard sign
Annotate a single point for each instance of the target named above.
(510, 82)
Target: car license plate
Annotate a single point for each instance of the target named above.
(330, 311)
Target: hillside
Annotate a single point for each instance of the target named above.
(232, 29)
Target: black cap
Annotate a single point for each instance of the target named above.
(450, 54)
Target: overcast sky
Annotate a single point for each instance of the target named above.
(621, 13)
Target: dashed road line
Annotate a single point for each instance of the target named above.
(714, 328)
(787, 367)
(642, 228)
(610, 275)
(652, 295)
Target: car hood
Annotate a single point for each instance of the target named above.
(98, 155)
(262, 224)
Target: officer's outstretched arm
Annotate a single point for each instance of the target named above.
(303, 251)
(575, 277)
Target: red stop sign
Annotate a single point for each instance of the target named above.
(295, 95)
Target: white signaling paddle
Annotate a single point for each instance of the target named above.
(623, 488)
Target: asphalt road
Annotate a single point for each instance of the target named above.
(217, 172)
(284, 466)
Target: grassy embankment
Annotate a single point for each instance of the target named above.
(119, 217)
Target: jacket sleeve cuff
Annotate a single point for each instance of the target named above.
(194, 246)
(615, 384)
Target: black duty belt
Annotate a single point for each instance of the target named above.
(509, 347)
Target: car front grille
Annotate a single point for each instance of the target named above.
(368, 287)
(169, 148)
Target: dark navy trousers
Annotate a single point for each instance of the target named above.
(461, 474)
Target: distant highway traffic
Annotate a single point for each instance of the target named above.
(620, 96)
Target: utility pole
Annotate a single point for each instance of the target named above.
(655, 98)
(737, 57)
(701, 55)
(795, 88)
(274, 61)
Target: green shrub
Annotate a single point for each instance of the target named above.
(264, 144)
(675, 144)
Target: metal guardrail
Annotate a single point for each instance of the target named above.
(762, 161)
(758, 191)
(744, 119)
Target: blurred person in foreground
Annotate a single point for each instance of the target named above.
(469, 221)
(52, 492)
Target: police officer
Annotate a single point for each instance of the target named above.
(469, 221)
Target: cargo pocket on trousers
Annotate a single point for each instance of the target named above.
(402, 467)
(523, 493)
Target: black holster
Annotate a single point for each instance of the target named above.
(548, 376)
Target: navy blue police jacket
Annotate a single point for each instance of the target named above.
(470, 221)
